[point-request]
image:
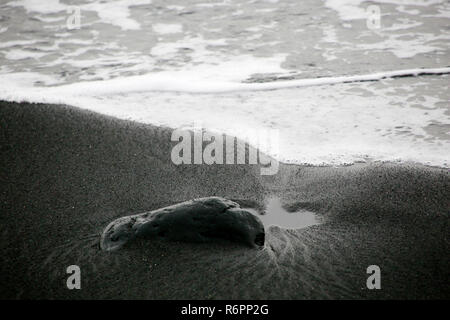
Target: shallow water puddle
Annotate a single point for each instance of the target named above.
(275, 214)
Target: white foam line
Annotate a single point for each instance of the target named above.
(348, 79)
(178, 83)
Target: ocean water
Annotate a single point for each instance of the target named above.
(282, 66)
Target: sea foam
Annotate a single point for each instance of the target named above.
(331, 121)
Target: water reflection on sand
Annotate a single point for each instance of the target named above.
(275, 214)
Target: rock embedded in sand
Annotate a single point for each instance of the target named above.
(198, 220)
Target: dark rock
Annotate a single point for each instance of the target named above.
(198, 220)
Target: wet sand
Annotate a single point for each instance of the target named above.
(66, 173)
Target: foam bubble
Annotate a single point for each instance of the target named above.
(354, 9)
(45, 7)
(164, 28)
(111, 12)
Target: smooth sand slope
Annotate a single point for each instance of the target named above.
(66, 173)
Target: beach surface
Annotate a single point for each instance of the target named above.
(66, 173)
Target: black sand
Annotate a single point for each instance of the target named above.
(66, 173)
